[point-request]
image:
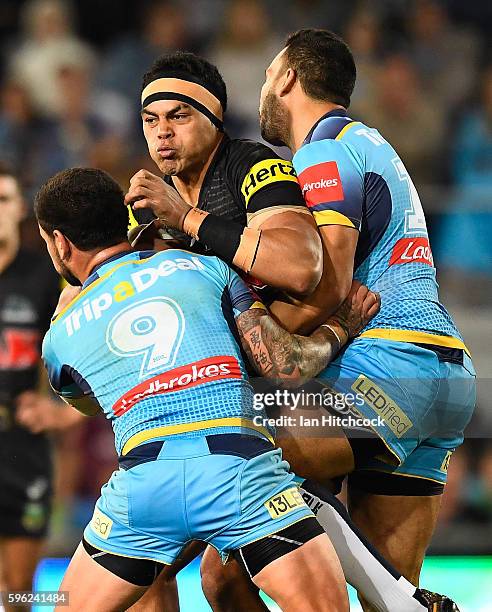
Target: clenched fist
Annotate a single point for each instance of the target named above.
(149, 191)
(359, 307)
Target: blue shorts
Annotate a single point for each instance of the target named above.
(417, 401)
(227, 490)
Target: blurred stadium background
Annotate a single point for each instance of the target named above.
(69, 96)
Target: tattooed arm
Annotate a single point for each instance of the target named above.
(275, 353)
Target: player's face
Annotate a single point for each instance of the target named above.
(58, 264)
(11, 209)
(180, 138)
(273, 114)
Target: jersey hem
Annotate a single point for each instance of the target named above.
(407, 335)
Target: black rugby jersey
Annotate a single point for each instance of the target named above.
(29, 290)
(245, 178)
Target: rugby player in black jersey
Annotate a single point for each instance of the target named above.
(241, 201)
(28, 295)
(237, 199)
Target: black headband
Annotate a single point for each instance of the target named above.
(204, 98)
(169, 95)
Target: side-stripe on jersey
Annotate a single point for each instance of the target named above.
(350, 175)
(152, 339)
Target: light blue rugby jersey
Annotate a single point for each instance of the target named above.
(350, 175)
(152, 338)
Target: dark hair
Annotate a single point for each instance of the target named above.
(84, 204)
(323, 63)
(182, 64)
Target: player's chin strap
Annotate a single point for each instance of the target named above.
(231, 241)
(177, 85)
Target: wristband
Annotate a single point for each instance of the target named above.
(248, 247)
(193, 220)
(229, 240)
(338, 331)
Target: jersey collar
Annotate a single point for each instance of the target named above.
(336, 112)
(95, 272)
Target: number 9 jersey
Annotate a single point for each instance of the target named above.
(350, 175)
(152, 340)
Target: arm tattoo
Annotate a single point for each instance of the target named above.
(276, 353)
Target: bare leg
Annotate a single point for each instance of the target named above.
(309, 578)
(19, 558)
(318, 459)
(93, 588)
(399, 526)
(162, 595)
(227, 587)
(317, 451)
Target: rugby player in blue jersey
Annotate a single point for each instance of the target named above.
(410, 363)
(220, 196)
(153, 340)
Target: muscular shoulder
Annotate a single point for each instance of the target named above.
(331, 128)
(261, 178)
(244, 151)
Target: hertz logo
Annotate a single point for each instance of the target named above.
(264, 173)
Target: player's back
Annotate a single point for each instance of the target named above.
(151, 338)
(352, 176)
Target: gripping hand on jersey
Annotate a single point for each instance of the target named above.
(358, 308)
(149, 191)
(275, 353)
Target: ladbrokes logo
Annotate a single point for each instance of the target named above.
(412, 250)
(184, 377)
(264, 173)
(321, 183)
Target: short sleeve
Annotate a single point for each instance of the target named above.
(242, 296)
(331, 177)
(62, 378)
(262, 179)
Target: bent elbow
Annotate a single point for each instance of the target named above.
(307, 275)
(305, 284)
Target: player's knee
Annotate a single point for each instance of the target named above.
(217, 582)
(168, 575)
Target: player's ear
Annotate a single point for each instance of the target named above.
(62, 245)
(287, 82)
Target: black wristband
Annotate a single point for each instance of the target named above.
(221, 235)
